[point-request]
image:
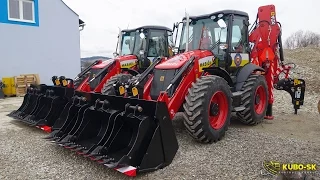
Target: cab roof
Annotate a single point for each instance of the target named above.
(149, 27)
(236, 12)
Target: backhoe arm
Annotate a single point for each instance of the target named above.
(267, 52)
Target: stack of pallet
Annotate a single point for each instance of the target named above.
(23, 82)
(17, 85)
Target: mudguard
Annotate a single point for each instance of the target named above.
(244, 73)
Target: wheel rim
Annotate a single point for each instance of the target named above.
(218, 110)
(260, 100)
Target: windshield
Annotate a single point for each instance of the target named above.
(203, 34)
(157, 43)
(131, 43)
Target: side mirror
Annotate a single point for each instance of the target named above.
(142, 36)
(222, 24)
(115, 54)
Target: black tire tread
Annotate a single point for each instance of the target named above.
(108, 88)
(246, 116)
(194, 107)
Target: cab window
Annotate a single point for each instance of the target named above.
(239, 38)
(157, 44)
(126, 43)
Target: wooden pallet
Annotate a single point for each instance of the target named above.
(24, 81)
(20, 91)
(32, 78)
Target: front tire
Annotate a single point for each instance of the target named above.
(254, 99)
(207, 109)
(108, 88)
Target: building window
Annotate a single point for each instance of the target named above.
(21, 10)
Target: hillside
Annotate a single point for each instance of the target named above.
(93, 58)
(307, 62)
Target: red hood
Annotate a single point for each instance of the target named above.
(126, 57)
(180, 59)
(103, 64)
(121, 58)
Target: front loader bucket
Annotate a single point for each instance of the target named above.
(124, 133)
(31, 102)
(45, 108)
(53, 107)
(41, 102)
(26, 98)
(68, 118)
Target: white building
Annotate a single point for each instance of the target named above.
(39, 37)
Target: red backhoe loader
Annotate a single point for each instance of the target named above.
(221, 67)
(139, 47)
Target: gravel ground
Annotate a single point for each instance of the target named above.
(25, 155)
(289, 138)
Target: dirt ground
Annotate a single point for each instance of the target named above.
(303, 126)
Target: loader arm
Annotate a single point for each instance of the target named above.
(87, 69)
(138, 86)
(188, 75)
(179, 83)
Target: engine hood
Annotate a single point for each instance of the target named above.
(103, 64)
(179, 60)
(126, 57)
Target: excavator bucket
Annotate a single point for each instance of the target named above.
(129, 135)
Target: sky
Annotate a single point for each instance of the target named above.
(103, 18)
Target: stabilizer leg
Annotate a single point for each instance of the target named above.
(269, 115)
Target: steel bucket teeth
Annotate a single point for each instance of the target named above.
(51, 135)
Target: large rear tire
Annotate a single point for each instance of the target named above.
(108, 88)
(254, 99)
(207, 109)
